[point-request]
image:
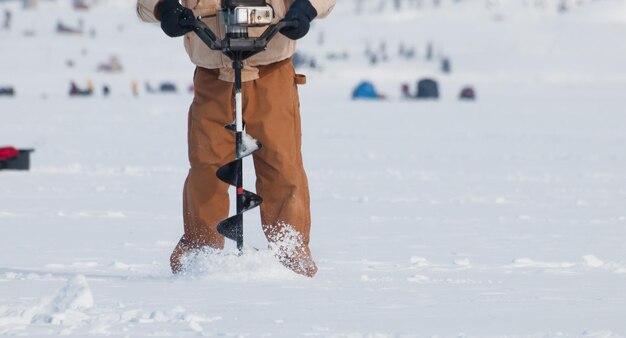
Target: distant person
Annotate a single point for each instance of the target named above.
(74, 90)
(446, 66)
(77, 91)
(134, 86)
(7, 19)
(429, 51)
(383, 51)
(406, 94)
(401, 49)
(149, 88)
(373, 59)
(114, 65)
(410, 53)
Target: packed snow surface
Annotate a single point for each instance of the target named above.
(500, 217)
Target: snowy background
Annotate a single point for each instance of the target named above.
(503, 217)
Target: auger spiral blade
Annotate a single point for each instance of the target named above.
(228, 172)
(249, 145)
(251, 200)
(233, 126)
(231, 173)
(232, 227)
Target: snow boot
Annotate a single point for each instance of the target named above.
(182, 249)
(298, 260)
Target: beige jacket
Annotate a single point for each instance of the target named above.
(280, 48)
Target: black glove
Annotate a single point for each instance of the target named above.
(171, 12)
(302, 12)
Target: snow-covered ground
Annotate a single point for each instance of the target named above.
(500, 217)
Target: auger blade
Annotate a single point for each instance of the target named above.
(250, 200)
(232, 227)
(233, 126)
(228, 172)
(248, 146)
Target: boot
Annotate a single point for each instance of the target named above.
(298, 260)
(186, 246)
(176, 259)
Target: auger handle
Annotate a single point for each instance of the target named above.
(213, 42)
(272, 30)
(203, 31)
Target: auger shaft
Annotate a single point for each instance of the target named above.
(237, 66)
(232, 172)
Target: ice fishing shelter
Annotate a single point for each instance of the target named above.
(467, 93)
(427, 89)
(365, 90)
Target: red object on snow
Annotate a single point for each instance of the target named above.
(7, 153)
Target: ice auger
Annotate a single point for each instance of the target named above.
(238, 15)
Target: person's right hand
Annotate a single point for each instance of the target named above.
(170, 13)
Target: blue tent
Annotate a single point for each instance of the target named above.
(365, 90)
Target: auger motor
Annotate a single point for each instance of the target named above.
(247, 13)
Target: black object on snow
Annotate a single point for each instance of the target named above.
(7, 91)
(63, 28)
(164, 87)
(167, 87)
(76, 91)
(21, 160)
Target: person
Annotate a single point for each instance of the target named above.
(7, 19)
(272, 115)
(134, 86)
(406, 91)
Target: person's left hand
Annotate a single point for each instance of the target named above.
(302, 12)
